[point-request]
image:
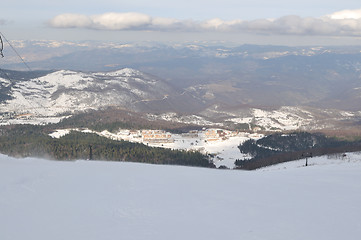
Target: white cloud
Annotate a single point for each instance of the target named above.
(346, 14)
(343, 23)
(166, 23)
(69, 20)
(220, 25)
(121, 21)
(118, 21)
(294, 25)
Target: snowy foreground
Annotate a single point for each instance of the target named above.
(44, 200)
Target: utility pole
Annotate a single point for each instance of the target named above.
(307, 155)
(90, 152)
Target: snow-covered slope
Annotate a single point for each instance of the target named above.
(103, 200)
(40, 97)
(69, 91)
(284, 118)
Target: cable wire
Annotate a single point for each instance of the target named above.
(23, 61)
(12, 47)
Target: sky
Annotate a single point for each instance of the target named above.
(281, 22)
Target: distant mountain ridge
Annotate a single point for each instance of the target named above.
(271, 76)
(260, 98)
(64, 91)
(57, 94)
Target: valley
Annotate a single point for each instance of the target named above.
(221, 146)
(51, 97)
(247, 91)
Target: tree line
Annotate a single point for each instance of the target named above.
(113, 119)
(278, 148)
(33, 141)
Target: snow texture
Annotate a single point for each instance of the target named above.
(43, 200)
(61, 92)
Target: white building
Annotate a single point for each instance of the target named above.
(156, 136)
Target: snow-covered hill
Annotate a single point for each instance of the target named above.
(43, 97)
(69, 91)
(42, 199)
(63, 92)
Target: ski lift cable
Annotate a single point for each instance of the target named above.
(6, 74)
(2, 55)
(12, 47)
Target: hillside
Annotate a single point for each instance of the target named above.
(42, 97)
(97, 200)
(278, 148)
(60, 92)
(34, 141)
(257, 75)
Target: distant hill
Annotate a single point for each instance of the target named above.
(64, 91)
(319, 77)
(247, 86)
(39, 97)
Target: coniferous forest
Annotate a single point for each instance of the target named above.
(33, 141)
(278, 148)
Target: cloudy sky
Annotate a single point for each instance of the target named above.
(253, 21)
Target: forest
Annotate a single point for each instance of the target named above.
(113, 118)
(277, 148)
(34, 141)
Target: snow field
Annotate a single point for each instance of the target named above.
(67, 91)
(42, 199)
